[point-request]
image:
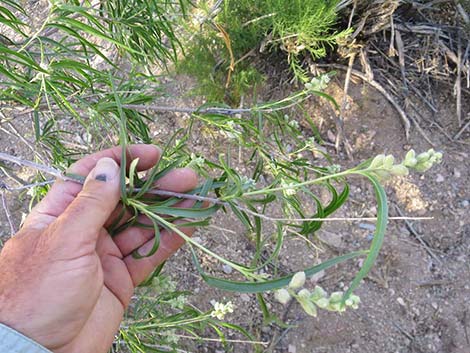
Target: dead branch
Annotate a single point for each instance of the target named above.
(7, 212)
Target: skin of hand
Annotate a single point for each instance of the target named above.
(65, 282)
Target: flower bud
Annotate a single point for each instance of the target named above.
(318, 293)
(304, 293)
(410, 162)
(322, 303)
(410, 159)
(423, 157)
(377, 162)
(382, 174)
(282, 296)
(399, 170)
(423, 166)
(297, 281)
(336, 297)
(303, 298)
(388, 162)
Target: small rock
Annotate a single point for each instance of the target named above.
(266, 329)
(465, 203)
(439, 178)
(291, 349)
(227, 269)
(457, 173)
(434, 305)
(245, 297)
(332, 239)
(331, 136)
(401, 301)
(367, 226)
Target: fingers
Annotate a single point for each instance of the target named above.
(63, 193)
(134, 237)
(84, 218)
(177, 180)
(170, 242)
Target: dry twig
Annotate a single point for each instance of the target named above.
(381, 89)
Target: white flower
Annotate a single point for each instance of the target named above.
(294, 124)
(247, 183)
(318, 83)
(297, 281)
(289, 188)
(220, 310)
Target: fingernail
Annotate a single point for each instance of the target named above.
(105, 170)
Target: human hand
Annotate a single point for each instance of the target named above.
(65, 283)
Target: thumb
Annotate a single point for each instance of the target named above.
(86, 215)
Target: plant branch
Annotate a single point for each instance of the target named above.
(57, 173)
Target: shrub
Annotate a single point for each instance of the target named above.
(69, 68)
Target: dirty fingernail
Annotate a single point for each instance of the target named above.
(105, 170)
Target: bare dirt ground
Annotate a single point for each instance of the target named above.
(416, 300)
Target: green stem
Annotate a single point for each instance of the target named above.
(305, 183)
(141, 208)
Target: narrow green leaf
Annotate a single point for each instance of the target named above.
(380, 228)
(258, 287)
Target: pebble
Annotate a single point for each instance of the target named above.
(439, 178)
(457, 173)
(332, 239)
(245, 297)
(367, 226)
(227, 269)
(291, 349)
(401, 301)
(465, 203)
(266, 329)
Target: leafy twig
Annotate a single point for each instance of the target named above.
(69, 177)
